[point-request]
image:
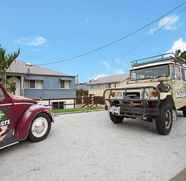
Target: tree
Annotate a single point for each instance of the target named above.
(180, 55)
(11, 86)
(6, 60)
(183, 55)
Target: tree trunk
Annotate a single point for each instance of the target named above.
(3, 78)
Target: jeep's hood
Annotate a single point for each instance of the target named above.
(147, 82)
(140, 84)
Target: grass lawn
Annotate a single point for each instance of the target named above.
(77, 110)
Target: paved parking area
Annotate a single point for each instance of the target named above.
(88, 147)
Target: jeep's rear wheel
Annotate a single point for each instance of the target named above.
(39, 128)
(116, 119)
(184, 111)
(165, 119)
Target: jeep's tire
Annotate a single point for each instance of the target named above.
(39, 128)
(184, 111)
(165, 120)
(116, 119)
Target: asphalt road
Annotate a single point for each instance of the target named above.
(88, 147)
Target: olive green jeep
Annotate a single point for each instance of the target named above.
(155, 91)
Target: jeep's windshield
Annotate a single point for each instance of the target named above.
(150, 72)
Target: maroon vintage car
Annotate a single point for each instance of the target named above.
(22, 118)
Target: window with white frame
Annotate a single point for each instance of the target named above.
(33, 84)
(65, 84)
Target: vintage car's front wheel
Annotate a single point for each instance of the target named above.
(116, 119)
(165, 119)
(40, 128)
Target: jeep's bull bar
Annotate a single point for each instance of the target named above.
(134, 107)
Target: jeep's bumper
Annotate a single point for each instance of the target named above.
(144, 109)
(134, 108)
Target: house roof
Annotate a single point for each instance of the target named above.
(109, 79)
(20, 67)
(82, 86)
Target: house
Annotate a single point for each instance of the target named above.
(96, 87)
(81, 89)
(42, 84)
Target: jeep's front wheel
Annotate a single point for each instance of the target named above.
(116, 119)
(165, 120)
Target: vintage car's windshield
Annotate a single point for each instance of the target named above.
(150, 72)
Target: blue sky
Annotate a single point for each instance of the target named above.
(48, 30)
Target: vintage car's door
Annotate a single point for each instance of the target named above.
(6, 122)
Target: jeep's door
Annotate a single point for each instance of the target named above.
(179, 86)
(7, 124)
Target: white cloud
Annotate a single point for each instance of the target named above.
(166, 23)
(106, 64)
(99, 76)
(179, 44)
(37, 41)
(119, 71)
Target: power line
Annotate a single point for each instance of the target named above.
(158, 30)
(119, 39)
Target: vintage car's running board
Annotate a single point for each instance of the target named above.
(11, 144)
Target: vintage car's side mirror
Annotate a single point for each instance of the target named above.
(2, 96)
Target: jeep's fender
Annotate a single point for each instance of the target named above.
(23, 125)
(164, 95)
(167, 98)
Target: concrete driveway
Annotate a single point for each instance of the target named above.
(88, 147)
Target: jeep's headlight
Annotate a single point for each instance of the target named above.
(151, 93)
(154, 93)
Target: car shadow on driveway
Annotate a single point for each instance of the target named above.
(134, 125)
(137, 125)
(23, 145)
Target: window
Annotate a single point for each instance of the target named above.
(2, 96)
(184, 74)
(62, 84)
(65, 84)
(58, 105)
(33, 84)
(178, 73)
(150, 72)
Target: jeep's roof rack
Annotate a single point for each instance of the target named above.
(152, 59)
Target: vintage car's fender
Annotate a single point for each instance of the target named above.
(23, 126)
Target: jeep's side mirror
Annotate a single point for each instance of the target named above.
(162, 87)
